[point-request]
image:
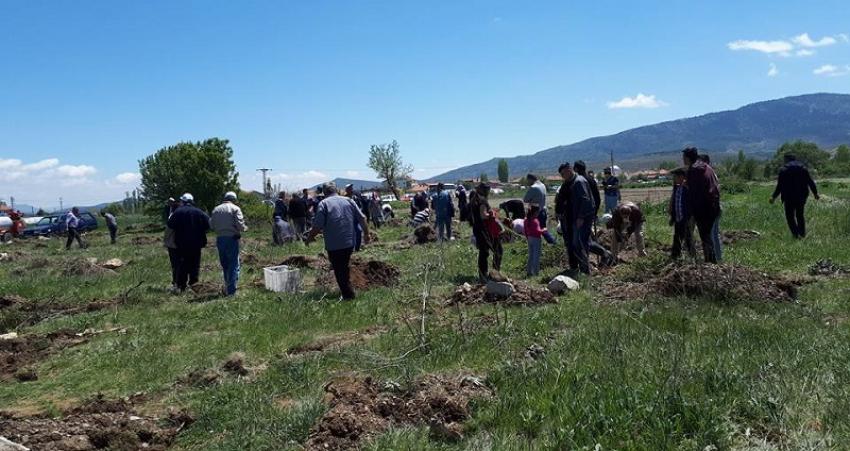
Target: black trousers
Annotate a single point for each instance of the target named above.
(485, 245)
(682, 233)
(74, 234)
(340, 262)
(795, 215)
(174, 259)
(113, 234)
(567, 233)
(704, 226)
(188, 267)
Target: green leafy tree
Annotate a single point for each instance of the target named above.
(809, 153)
(504, 174)
(386, 161)
(204, 168)
(842, 154)
(483, 178)
(115, 208)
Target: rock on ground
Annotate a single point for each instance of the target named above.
(562, 284)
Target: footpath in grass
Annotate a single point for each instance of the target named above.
(748, 355)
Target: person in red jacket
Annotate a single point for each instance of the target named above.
(703, 199)
(533, 233)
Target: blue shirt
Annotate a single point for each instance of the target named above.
(443, 204)
(337, 217)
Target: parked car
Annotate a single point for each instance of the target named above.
(55, 225)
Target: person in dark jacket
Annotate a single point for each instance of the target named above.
(680, 217)
(593, 246)
(462, 203)
(485, 228)
(190, 226)
(611, 184)
(298, 215)
(578, 217)
(793, 185)
(514, 208)
(703, 199)
(280, 206)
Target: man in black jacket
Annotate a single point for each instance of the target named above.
(190, 226)
(793, 184)
(594, 247)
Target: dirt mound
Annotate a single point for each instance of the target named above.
(307, 261)
(99, 424)
(18, 311)
(8, 300)
(426, 234)
(18, 355)
(733, 236)
(824, 267)
(86, 268)
(523, 294)
(335, 341)
(235, 364)
(145, 240)
(365, 274)
(361, 408)
(206, 289)
(724, 283)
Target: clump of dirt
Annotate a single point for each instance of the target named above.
(823, 267)
(365, 274)
(335, 341)
(523, 294)
(145, 240)
(18, 355)
(733, 236)
(18, 311)
(206, 289)
(98, 424)
(307, 261)
(361, 408)
(424, 234)
(725, 283)
(9, 300)
(235, 364)
(201, 377)
(86, 268)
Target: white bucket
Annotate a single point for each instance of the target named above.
(282, 279)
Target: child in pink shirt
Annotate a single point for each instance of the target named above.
(533, 234)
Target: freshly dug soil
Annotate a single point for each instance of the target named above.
(19, 355)
(361, 408)
(523, 294)
(307, 261)
(724, 283)
(16, 311)
(426, 233)
(99, 424)
(365, 274)
(824, 267)
(86, 268)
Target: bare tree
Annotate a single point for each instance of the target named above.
(385, 160)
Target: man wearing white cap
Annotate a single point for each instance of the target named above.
(190, 226)
(228, 223)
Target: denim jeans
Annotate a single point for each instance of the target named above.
(715, 240)
(543, 218)
(444, 228)
(228, 256)
(611, 201)
(533, 266)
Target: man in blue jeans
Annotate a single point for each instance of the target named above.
(611, 184)
(444, 211)
(228, 223)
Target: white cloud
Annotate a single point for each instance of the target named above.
(843, 37)
(780, 47)
(804, 40)
(829, 70)
(805, 52)
(82, 170)
(128, 178)
(638, 101)
(773, 71)
(10, 163)
(41, 165)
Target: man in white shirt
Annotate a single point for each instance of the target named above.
(228, 223)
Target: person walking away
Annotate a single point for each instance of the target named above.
(228, 224)
(170, 244)
(281, 208)
(611, 185)
(298, 215)
(282, 232)
(581, 203)
(190, 226)
(462, 203)
(335, 219)
(627, 221)
(607, 259)
(680, 217)
(444, 211)
(536, 195)
(111, 224)
(358, 230)
(485, 230)
(376, 212)
(533, 234)
(715, 227)
(72, 224)
(793, 185)
(703, 199)
(311, 205)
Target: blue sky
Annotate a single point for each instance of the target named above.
(88, 88)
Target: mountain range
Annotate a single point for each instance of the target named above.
(758, 129)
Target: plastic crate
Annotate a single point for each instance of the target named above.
(282, 279)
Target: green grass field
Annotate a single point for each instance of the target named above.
(660, 374)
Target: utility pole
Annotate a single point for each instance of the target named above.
(61, 206)
(265, 188)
